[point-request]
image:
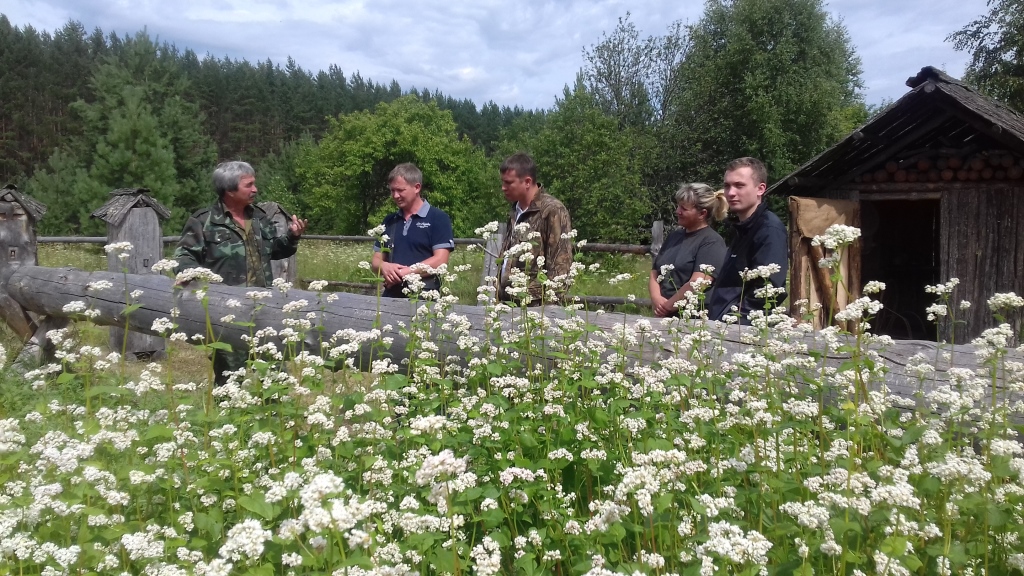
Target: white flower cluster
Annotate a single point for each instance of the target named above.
(873, 287)
(764, 272)
(487, 230)
(943, 289)
(486, 557)
(164, 265)
(860, 308)
(200, 274)
(122, 249)
(836, 236)
(729, 542)
(1004, 302)
(245, 540)
(99, 285)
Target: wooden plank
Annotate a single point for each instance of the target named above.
(823, 284)
(141, 227)
(592, 247)
(854, 282)
(891, 196)
(657, 237)
(491, 256)
(336, 238)
(1004, 187)
(72, 240)
(893, 147)
(796, 251)
(616, 248)
(807, 181)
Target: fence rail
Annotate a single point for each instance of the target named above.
(640, 249)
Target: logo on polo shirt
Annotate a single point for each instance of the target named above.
(423, 224)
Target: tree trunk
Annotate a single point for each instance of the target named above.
(47, 290)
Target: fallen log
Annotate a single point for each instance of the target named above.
(48, 290)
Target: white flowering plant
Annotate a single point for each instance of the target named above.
(517, 442)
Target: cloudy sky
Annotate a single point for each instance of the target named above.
(520, 52)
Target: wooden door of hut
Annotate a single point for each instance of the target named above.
(811, 285)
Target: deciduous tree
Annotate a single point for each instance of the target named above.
(996, 44)
(345, 175)
(766, 78)
(593, 165)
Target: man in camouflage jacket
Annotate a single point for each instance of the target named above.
(212, 239)
(236, 240)
(541, 220)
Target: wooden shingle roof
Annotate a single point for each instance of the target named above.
(939, 112)
(123, 200)
(34, 208)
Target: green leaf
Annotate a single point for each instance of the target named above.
(211, 522)
(261, 570)
(257, 506)
(995, 516)
(912, 562)
(526, 440)
(105, 390)
(220, 346)
(158, 431)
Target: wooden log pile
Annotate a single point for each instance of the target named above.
(947, 165)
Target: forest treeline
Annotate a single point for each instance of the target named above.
(83, 113)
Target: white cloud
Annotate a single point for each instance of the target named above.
(513, 53)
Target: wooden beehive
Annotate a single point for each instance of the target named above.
(132, 215)
(18, 217)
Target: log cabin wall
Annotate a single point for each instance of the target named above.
(982, 244)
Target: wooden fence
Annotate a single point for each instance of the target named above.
(491, 246)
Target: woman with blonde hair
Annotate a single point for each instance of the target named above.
(694, 244)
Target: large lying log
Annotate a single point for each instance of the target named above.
(48, 290)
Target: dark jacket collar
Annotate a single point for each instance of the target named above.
(539, 201)
(746, 225)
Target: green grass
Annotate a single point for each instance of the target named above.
(322, 260)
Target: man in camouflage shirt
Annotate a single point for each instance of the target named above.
(236, 240)
(541, 220)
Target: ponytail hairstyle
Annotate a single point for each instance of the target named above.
(703, 197)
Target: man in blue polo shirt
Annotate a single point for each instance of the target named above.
(417, 233)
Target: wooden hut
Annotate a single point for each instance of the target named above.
(935, 181)
(18, 217)
(132, 215)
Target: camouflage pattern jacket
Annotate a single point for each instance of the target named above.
(549, 217)
(211, 239)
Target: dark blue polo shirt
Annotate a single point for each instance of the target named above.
(414, 240)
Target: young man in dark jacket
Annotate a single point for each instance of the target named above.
(759, 243)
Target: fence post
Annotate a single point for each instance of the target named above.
(657, 238)
(491, 255)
